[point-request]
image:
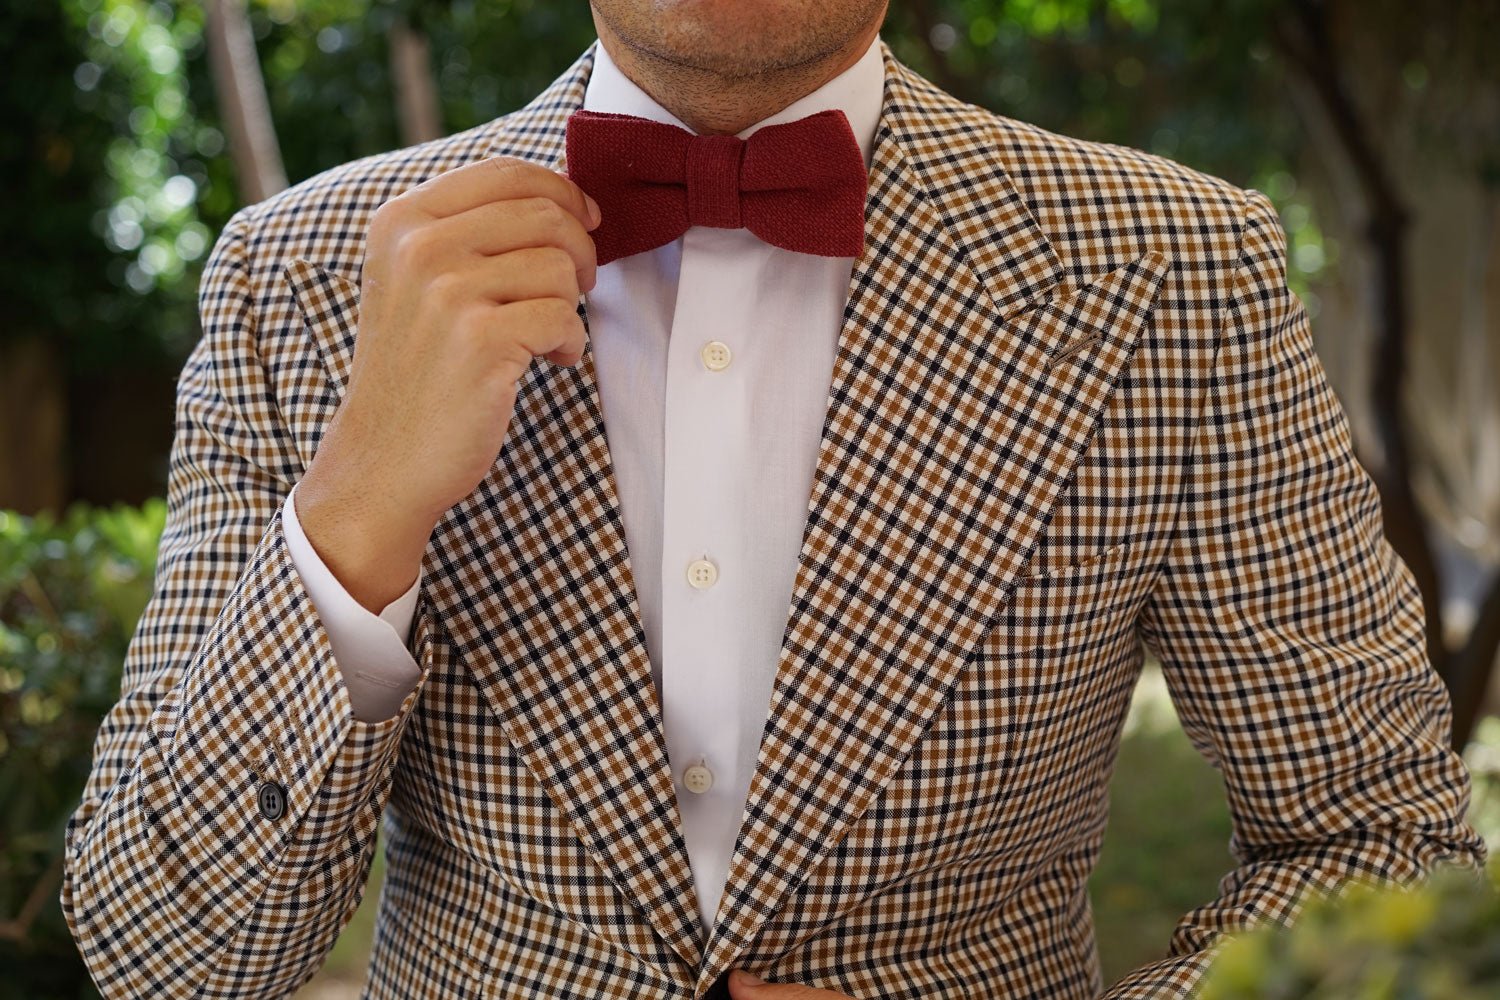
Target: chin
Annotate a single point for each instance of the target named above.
(738, 37)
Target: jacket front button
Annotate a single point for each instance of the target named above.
(271, 799)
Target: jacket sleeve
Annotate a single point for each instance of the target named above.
(228, 823)
(1291, 637)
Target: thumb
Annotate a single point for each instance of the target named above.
(745, 985)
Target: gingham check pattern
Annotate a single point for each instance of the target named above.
(1074, 406)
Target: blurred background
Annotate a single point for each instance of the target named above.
(133, 130)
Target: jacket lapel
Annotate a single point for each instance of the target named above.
(968, 379)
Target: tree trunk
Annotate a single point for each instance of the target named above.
(242, 101)
(417, 106)
(33, 427)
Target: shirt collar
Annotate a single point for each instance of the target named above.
(857, 91)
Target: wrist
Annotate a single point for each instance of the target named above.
(373, 550)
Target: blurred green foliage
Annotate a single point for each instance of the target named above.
(1190, 81)
(1438, 942)
(100, 178)
(1167, 848)
(133, 75)
(71, 591)
(328, 79)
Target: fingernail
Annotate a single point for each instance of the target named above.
(748, 978)
(594, 215)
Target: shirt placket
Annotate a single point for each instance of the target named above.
(704, 574)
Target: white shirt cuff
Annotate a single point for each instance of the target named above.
(370, 650)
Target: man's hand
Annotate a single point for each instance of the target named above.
(746, 986)
(466, 278)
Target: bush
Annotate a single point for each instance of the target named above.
(71, 591)
(1438, 941)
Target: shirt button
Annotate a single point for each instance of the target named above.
(701, 573)
(698, 778)
(272, 800)
(715, 355)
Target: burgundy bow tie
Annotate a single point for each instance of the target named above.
(799, 185)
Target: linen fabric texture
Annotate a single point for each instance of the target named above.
(1075, 414)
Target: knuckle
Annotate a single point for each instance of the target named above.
(389, 219)
(584, 253)
(531, 314)
(557, 267)
(536, 317)
(470, 324)
(580, 199)
(403, 201)
(511, 352)
(548, 213)
(416, 245)
(446, 289)
(502, 379)
(561, 312)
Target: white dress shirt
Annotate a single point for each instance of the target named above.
(713, 355)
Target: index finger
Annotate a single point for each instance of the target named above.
(498, 178)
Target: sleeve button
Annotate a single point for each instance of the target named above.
(272, 800)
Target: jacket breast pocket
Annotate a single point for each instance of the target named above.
(1058, 665)
(1066, 606)
(1025, 734)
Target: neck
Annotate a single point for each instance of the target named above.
(713, 104)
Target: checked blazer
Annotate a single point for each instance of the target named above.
(1075, 416)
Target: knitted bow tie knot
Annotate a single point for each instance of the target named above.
(799, 185)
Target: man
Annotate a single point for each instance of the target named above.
(784, 616)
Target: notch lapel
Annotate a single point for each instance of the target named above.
(967, 382)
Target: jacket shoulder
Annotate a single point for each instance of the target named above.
(1098, 201)
(1090, 194)
(1135, 171)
